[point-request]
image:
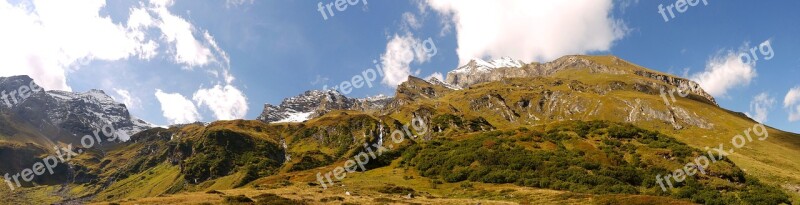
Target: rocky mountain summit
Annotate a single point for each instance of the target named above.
(66, 116)
(315, 103)
(479, 71)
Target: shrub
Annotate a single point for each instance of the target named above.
(332, 199)
(214, 192)
(240, 199)
(273, 199)
(623, 132)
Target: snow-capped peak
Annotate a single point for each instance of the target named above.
(377, 98)
(506, 62)
(93, 95)
(479, 65)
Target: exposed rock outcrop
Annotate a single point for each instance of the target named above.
(477, 71)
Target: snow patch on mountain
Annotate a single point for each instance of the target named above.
(436, 81)
(375, 98)
(315, 103)
(296, 117)
(481, 66)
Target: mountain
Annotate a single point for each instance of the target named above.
(34, 121)
(315, 103)
(479, 71)
(578, 130)
(66, 116)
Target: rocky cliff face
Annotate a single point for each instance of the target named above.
(476, 71)
(416, 89)
(681, 83)
(300, 108)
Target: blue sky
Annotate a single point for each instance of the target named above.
(178, 61)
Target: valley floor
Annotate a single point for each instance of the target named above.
(375, 187)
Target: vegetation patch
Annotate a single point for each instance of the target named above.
(332, 199)
(240, 199)
(594, 157)
(394, 189)
(273, 199)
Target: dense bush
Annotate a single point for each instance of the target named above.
(497, 157)
(310, 160)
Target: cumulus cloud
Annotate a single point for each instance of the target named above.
(724, 72)
(760, 106)
(792, 102)
(44, 39)
(530, 30)
(226, 102)
(176, 108)
(49, 39)
(401, 52)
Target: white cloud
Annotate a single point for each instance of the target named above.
(227, 102)
(49, 39)
(176, 108)
(401, 51)
(792, 102)
(125, 96)
(436, 75)
(724, 72)
(760, 106)
(530, 30)
(180, 33)
(45, 39)
(410, 22)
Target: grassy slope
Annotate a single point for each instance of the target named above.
(363, 186)
(773, 160)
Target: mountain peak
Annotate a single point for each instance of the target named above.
(479, 65)
(315, 103)
(73, 113)
(478, 71)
